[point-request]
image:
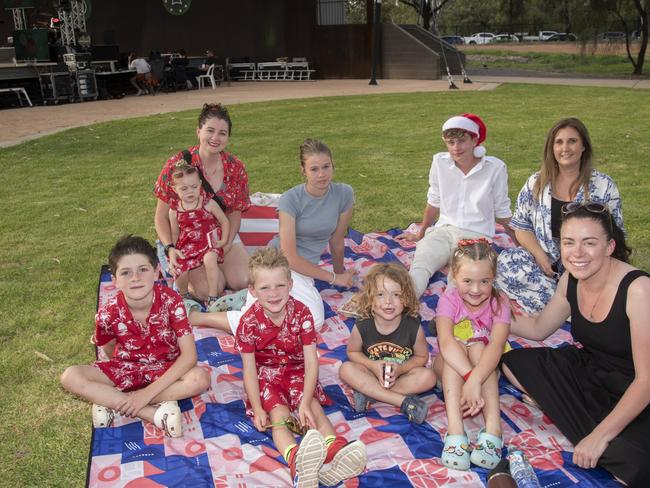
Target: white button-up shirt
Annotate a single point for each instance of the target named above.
(469, 201)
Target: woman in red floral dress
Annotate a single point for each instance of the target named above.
(224, 179)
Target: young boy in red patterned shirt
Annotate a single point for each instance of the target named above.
(277, 342)
(145, 332)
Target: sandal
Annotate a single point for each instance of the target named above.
(191, 306)
(487, 450)
(361, 401)
(455, 453)
(228, 303)
(102, 416)
(414, 408)
(168, 418)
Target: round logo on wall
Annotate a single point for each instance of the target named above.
(177, 7)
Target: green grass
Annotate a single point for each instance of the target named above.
(588, 64)
(68, 197)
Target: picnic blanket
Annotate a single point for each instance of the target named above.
(221, 448)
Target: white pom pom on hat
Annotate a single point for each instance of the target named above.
(473, 124)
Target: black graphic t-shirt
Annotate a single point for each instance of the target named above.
(396, 347)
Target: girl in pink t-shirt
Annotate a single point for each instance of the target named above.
(473, 323)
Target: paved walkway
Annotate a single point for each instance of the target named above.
(26, 123)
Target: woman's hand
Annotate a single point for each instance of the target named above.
(545, 264)
(345, 279)
(588, 451)
(260, 419)
(226, 247)
(134, 402)
(305, 415)
(470, 398)
(173, 255)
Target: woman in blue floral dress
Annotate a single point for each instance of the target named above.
(529, 274)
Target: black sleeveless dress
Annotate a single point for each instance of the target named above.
(577, 388)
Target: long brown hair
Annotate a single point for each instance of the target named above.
(549, 171)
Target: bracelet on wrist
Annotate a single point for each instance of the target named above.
(331, 282)
(466, 376)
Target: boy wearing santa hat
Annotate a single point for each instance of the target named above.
(468, 191)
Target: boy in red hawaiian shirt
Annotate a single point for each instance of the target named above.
(145, 332)
(277, 342)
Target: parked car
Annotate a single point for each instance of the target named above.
(479, 38)
(545, 34)
(612, 36)
(504, 38)
(562, 37)
(453, 39)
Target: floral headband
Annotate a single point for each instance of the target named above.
(471, 242)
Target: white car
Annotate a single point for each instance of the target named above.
(544, 35)
(479, 38)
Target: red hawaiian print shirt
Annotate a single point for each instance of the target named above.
(234, 189)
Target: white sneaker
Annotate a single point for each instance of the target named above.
(168, 418)
(102, 416)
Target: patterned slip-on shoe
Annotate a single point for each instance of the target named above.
(102, 416)
(168, 418)
(487, 450)
(414, 408)
(309, 459)
(348, 462)
(456, 452)
(228, 303)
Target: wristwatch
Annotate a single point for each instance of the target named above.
(168, 247)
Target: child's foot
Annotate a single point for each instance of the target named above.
(307, 460)
(361, 402)
(168, 418)
(228, 303)
(487, 450)
(102, 416)
(346, 460)
(414, 408)
(455, 453)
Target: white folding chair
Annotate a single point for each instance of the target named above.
(208, 76)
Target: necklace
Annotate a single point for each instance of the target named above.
(591, 312)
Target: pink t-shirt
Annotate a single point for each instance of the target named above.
(451, 305)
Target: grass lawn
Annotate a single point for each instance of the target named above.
(69, 196)
(610, 65)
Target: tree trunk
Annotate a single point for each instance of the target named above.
(643, 17)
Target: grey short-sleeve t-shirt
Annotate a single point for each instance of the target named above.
(316, 217)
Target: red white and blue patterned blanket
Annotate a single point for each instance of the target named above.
(221, 448)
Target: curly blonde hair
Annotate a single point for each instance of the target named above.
(396, 273)
(267, 258)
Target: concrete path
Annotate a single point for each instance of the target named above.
(26, 123)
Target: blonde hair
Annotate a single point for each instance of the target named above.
(267, 258)
(549, 171)
(313, 146)
(396, 273)
(477, 250)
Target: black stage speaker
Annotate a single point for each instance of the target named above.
(19, 3)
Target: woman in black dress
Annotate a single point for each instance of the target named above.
(597, 395)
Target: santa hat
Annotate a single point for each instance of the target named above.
(474, 125)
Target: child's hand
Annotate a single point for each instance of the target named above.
(134, 402)
(378, 371)
(173, 256)
(306, 416)
(226, 247)
(260, 419)
(471, 400)
(409, 236)
(345, 279)
(392, 375)
(221, 243)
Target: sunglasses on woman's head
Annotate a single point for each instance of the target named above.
(591, 207)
